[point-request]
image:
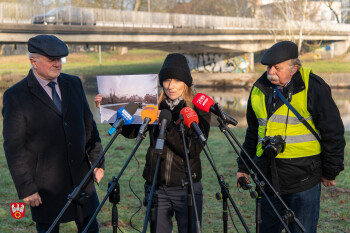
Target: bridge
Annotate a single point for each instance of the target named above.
(169, 32)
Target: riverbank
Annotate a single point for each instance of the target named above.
(246, 80)
(335, 72)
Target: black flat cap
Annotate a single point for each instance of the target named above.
(280, 52)
(48, 45)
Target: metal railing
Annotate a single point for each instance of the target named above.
(23, 13)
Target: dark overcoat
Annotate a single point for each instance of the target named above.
(45, 149)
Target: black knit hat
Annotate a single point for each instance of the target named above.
(48, 45)
(280, 52)
(175, 66)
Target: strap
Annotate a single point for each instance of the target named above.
(296, 113)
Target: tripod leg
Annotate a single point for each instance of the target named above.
(189, 210)
(115, 218)
(258, 214)
(153, 217)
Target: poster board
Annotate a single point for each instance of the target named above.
(119, 90)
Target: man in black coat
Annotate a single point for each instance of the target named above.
(50, 137)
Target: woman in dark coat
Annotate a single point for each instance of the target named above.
(172, 183)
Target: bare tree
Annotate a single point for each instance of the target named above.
(329, 4)
(137, 5)
(293, 15)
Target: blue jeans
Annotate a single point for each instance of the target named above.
(305, 205)
(43, 227)
(173, 200)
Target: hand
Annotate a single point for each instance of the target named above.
(33, 200)
(327, 183)
(98, 174)
(98, 100)
(242, 174)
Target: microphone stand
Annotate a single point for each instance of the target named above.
(113, 193)
(76, 192)
(151, 200)
(225, 194)
(289, 216)
(191, 196)
(159, 151)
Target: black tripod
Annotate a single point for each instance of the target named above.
(151, 200)
(225, 194)
(76, 195)
(191, 197)
(113, 193)
(289, 216)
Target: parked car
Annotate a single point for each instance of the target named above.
(67, 16)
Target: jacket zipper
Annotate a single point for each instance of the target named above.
(169, 160)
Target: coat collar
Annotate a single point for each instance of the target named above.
(176, 111)
(37, 90)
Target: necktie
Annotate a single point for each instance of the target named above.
(55, 97)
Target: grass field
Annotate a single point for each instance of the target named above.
(334, 214)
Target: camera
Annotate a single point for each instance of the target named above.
(272, 146)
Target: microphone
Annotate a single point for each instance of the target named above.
(124, 117)
(164, 117)
(206, 104)
(149, 115)
(191, 121)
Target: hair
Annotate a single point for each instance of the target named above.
(35, 56)
(293, 63)
(187, 95)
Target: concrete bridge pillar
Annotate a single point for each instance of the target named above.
(251, 61)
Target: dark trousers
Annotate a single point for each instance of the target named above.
(305, 205)
(43, 227)
(172, 201)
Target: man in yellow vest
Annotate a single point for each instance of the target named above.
(295, 158)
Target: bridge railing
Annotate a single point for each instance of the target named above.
(24, 13)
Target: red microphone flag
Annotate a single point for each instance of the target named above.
(189, 115)
(203, 102)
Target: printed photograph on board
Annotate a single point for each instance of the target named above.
(119, 90)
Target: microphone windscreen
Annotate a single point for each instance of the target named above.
(165, 114)
(203, 102)
(131, 108)
(150, 111)
(189, 115)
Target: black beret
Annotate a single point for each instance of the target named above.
(48, 45)
(175, 66)
(280, 52)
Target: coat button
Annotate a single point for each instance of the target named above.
(65, 123)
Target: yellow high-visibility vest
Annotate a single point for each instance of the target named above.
(300, 142)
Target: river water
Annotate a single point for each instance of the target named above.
(234, 102)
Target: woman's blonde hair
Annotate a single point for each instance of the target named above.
(187, 95)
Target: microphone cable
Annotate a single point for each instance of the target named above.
(231, 217)
(132, 190)
(211, 155)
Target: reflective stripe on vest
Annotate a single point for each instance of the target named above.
(300, 142)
